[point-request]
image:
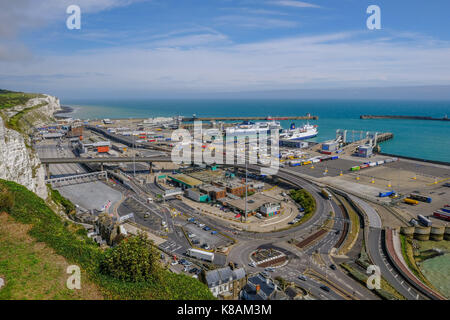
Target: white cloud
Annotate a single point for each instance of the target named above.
(326, 61)
(18, 15)
(295, 4)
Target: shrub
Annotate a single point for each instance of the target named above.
(134, 259)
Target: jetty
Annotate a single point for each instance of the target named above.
(445, 118)
(237, 118)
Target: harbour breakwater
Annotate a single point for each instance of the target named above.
(365, 117)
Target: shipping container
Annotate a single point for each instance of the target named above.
(411, 201)
(326, 152)
(102, 149)
(441, 215)
(334, 157)
(200, 254)
(446, 210)
(420, 197)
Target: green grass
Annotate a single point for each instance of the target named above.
(69, 207)
(386, 291)
(9, 99)
(408, 255)
(32, 270)
(15, 121)
(66, 240)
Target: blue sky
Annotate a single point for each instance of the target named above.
(146, 48)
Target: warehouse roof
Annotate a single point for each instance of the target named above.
(186, 180)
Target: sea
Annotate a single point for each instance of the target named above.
(422, 139)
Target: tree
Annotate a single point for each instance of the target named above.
(134, 259)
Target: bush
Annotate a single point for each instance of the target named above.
(303, 198)
(134, 259)
(6, 200)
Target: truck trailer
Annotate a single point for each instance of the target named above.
(200, 254)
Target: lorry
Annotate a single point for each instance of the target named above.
(420, 197)
(425, 221)
(386, 194)
(326, 194)
(200, 254)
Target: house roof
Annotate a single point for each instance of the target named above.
(223, 275)
(267, 289)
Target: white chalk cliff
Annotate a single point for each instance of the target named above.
(18, 162)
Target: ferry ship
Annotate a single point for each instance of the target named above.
(250, 128)
(305, 132)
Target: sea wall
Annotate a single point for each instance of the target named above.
(18, 161)
(436, 233)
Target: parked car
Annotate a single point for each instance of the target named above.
(206, 246)
(192, 270)
(174, 263)
(265, 274)
(333, 267)
(325, 288)
(302, 277)
(269, 269)
(252, 264)
(195, 241)
(214, 232)
(206, 228)
(201, 225)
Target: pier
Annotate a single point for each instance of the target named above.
(306, 117)
(445, 118)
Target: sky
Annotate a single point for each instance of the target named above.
(176, 48)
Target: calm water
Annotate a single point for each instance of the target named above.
(437, 272)
(415, 138)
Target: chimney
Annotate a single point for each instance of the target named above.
(258, 287)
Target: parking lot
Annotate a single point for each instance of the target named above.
(202, 236)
